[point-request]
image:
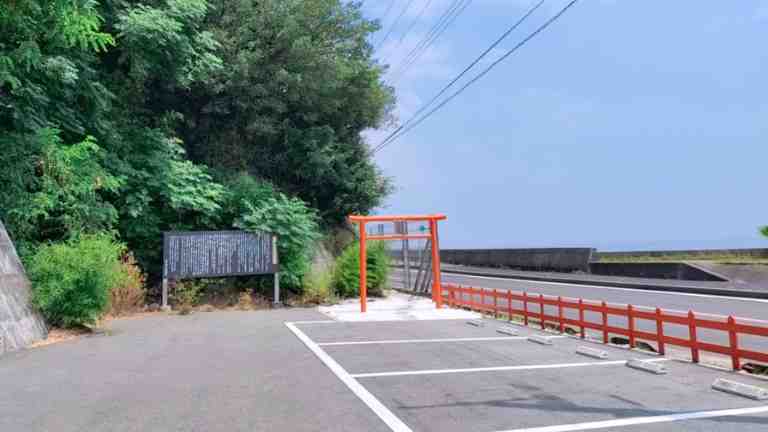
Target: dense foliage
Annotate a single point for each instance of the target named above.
(72, 280)
(764, 230)
(296, 227)
(346, 274)
(154, 115)
(298, 89)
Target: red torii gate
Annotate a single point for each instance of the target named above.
(437, 292)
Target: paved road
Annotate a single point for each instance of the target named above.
(746, 308)
(749, 283)
(220, 371)
(450, 385)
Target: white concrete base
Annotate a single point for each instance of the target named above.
(394, 307)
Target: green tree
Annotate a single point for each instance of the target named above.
(346, 274)
(51, 106)
(134, 114)
(764, 230)
(299, 88)
(295, 225)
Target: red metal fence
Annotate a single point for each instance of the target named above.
(503, 302)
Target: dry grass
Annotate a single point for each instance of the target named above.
(206, 308)
(57, 335)
(244, 302)
(128, 296)
(248, 301)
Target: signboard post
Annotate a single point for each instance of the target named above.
(208, 254)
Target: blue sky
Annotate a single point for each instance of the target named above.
(628, 124)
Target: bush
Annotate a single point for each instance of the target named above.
(128, 294)
(71, 281)
(296, 227)
(244, 301)
(186, 296)
(346, 276)
(318, 287)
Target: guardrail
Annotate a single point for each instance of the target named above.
(503, 302)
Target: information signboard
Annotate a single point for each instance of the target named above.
(202, 254)
(207, 254)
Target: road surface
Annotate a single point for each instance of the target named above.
(747, 309)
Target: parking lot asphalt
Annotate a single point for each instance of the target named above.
(450, 376)
(218, 371)
(295, 370)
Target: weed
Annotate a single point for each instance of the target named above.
(186, 296)
(128, 293)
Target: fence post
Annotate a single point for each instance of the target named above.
(541, 310)
(467, 297)
(560, 313)
(457, 296)
(605, 322)
(495, 303)
(509, 305)
(581, 319)
(482, 300)
(660, 331)
(734, 338)
(525, 307)
(631, 325)
(693, 338)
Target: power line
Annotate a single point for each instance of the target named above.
(415, 20)
(386, 12)
(429, 33)
(468, 68)
(440, 22)
(394, 24)
(415, 54)
(479, 58)
(409, 125)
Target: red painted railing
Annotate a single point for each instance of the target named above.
(503, 302)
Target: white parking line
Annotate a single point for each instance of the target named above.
(495, 368)
(409, 341)
(632, 421)
(315, 322)
(370, 400)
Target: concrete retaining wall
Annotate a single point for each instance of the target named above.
(20, 325)
(672, 270)
(703, 253)
(541, 259)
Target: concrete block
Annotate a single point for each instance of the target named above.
(647, 366)
(592, 352)
(543, 340)
(740, 389)
(476, 323)
(507, 330)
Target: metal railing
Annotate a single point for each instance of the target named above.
(503, 302)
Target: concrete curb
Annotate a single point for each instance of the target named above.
(690, 289)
